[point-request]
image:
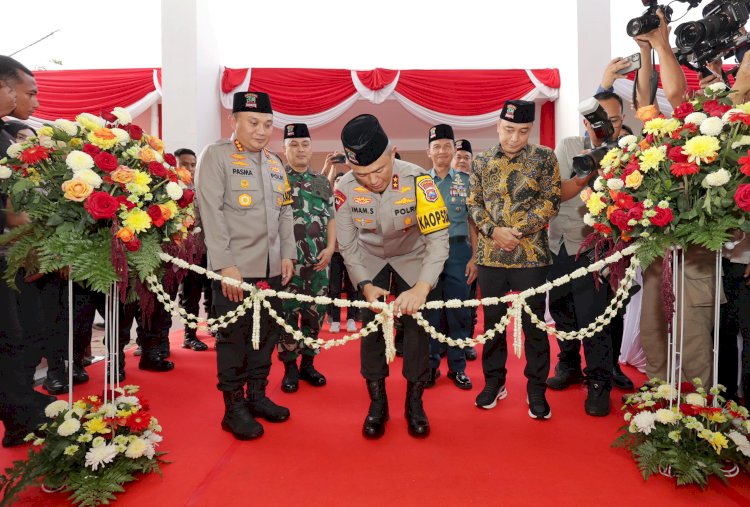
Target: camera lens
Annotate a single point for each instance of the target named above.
(644, 24)
(583, 165)
(634, 27)
(689, 35)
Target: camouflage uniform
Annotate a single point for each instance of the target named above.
(313, 208)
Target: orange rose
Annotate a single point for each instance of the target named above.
(610, 209)
(123, 175)
(105, 133)
(147, 155)
(184, 175)
(76, 190)
(647, 113)
(643, 145)
(125, 235)
(156, 143)
(165, 212)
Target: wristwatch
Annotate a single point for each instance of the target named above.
(490, 231)
(361, 285)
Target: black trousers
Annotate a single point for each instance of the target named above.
(339, 283)
(193, 286)
(575, 305)
(236, 359)
(416, 340)
(19, 403)
(735, 319)
(496, 282)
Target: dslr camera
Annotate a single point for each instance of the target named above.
(648, 20)
(585, 164)
(717, 35)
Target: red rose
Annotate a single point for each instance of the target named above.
(690, 410)
(263, 285)
(133, 245)
(108, 116)
(123, 200)
(603, 229)
(745, 164)
(687, 387)
(169, 159)
(713, 108)
(108, 180)
(33, 155)
(172, 176)
(101, 205)
(619, 219)
(135, 131)
(186, 199)
(636, 212)
(106, 161)
(742, 197)
(663, 217)
(157, 169)
(90, 149)
(675, 154)
(683, 110)
(680, 169)
(633, 165)
(154, 211)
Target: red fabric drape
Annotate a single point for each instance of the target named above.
(232, 78)
(303, 91)
(547, 125)
(377, 79)
(67, 93)
(462, 92)
(548, 77)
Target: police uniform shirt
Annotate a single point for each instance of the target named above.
(567, 226)
(455, 190)
(375, 229)
(244, 209)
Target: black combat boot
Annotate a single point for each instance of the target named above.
(416, 419)
(261, 406)
(309, 374)
(237, 419)
(377, 415)
(290, 382)
(619, 379)
(152, 360)
(57, 379)
(597, 401)
(565, 376)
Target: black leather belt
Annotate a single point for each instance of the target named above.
(458, 239)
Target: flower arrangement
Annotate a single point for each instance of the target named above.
(102, 196)
(686, 181)
(688, 439)
(90, 449)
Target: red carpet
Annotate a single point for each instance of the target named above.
(499, 457)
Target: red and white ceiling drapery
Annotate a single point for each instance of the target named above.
(466, 99)
(67, 93)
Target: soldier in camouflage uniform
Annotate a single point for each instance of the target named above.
(314, 232)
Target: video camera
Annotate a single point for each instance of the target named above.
(585, 164)
(717, 35)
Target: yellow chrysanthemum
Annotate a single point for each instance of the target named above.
(595, 203)
(717, 417)
(33, 174)
(744, 107)
(613, 158)
(102, 138)
(76, 142)
(87, 121)
(701, 149)
(45, 131)
(173, 209)
(651, 158)
(717, 440)
(661, 126)
(96, 425)
(141, 178)
(137, 220)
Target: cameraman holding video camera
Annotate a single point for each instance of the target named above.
(575, 305)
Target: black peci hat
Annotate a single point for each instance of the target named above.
(296, 130)
(441, 131)
(463, 145)
(252, 102)
(364, 140)
(518, 111)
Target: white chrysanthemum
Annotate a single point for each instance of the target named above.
(78, 160)
(674, 435)
(136, 448)
(666, 416)
(173, 191)
(56, 408)
(645, 422)
(598, 186)
(85, 438)
(663, 204)
(47, 142)
(626, 141)
(588, 220)
(741, 441)
(69, 427)
(66, 126)
(665, 391)
(123, 116)
(14, 150)
(122, 136)
(712, 126)
(717, 87)
(5, 172)
(716, 178)
(130, 400)
(615, 183)
(89, 177)
(88, 120)
(696, 118)
(150, 451)
(70, 450)
(98, 442)
(99, 456)
(695, 399)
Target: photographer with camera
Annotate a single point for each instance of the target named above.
(575, 305)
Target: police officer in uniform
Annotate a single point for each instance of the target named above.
(515, 191)
(459, 270)
(315, 235)
(245, 210)
(390, 221)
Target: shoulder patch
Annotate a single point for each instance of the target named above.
(340, 198)
(432, 215)
(428, 188)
